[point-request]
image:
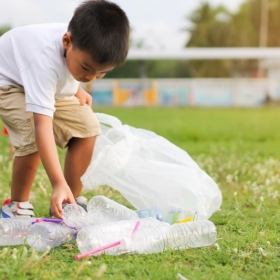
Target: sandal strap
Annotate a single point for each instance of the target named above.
(24, 212)
(25, 205)
(23, 208)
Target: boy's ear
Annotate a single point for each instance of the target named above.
(66, 40)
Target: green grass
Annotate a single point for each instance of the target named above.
(239, 148)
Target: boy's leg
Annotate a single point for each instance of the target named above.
(20, 126)
(76, 128)
(24, 171)
(78, 157)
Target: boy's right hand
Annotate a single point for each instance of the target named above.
(48, 153)
(60, 195)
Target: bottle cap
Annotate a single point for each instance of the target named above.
(125, 244)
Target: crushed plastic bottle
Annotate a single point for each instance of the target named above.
(109, 210)
(102, 210)
(172, 216)
(193, 234)
(43, 234)
(75, 216)
(149, 212)
(93, 237)
(153, 236)
(13, 231)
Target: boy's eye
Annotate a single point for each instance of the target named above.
(84, 68)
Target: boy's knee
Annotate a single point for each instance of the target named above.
(83, 143)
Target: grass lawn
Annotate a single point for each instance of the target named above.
(239, 148)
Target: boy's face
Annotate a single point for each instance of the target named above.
(80, 64)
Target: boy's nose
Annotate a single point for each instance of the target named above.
(90, 77)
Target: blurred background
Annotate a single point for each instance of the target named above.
(183, 53)
(206, 76)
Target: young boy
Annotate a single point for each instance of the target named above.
(42, 103)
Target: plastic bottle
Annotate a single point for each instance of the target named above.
(193, 234)
(75, 216)
(149, 212)
(13, 231)
(93, 237)
(153, 236)
(102, 209)
(171, 215)
(43, 234)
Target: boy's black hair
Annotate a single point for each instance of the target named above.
(101, 28)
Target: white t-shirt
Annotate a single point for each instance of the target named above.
(33, 57)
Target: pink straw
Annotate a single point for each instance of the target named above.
(105, 247)
(136, 227)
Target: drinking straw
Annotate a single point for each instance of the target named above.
(57, 221)
(105, 247)
(188, 219)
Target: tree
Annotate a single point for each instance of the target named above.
(150, 68)
(273, 38)
(216, 27)
(209, 29)
(4, 29)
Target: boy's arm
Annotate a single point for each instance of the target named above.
(84, 97)
(48, 153)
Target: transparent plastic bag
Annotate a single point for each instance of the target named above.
(150, 171)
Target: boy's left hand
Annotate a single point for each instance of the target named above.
(84, 97)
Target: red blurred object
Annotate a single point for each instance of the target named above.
(5, 131)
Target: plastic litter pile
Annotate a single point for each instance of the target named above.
(173, 198)
(108, 227)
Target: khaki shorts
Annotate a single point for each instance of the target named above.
(70, 120)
